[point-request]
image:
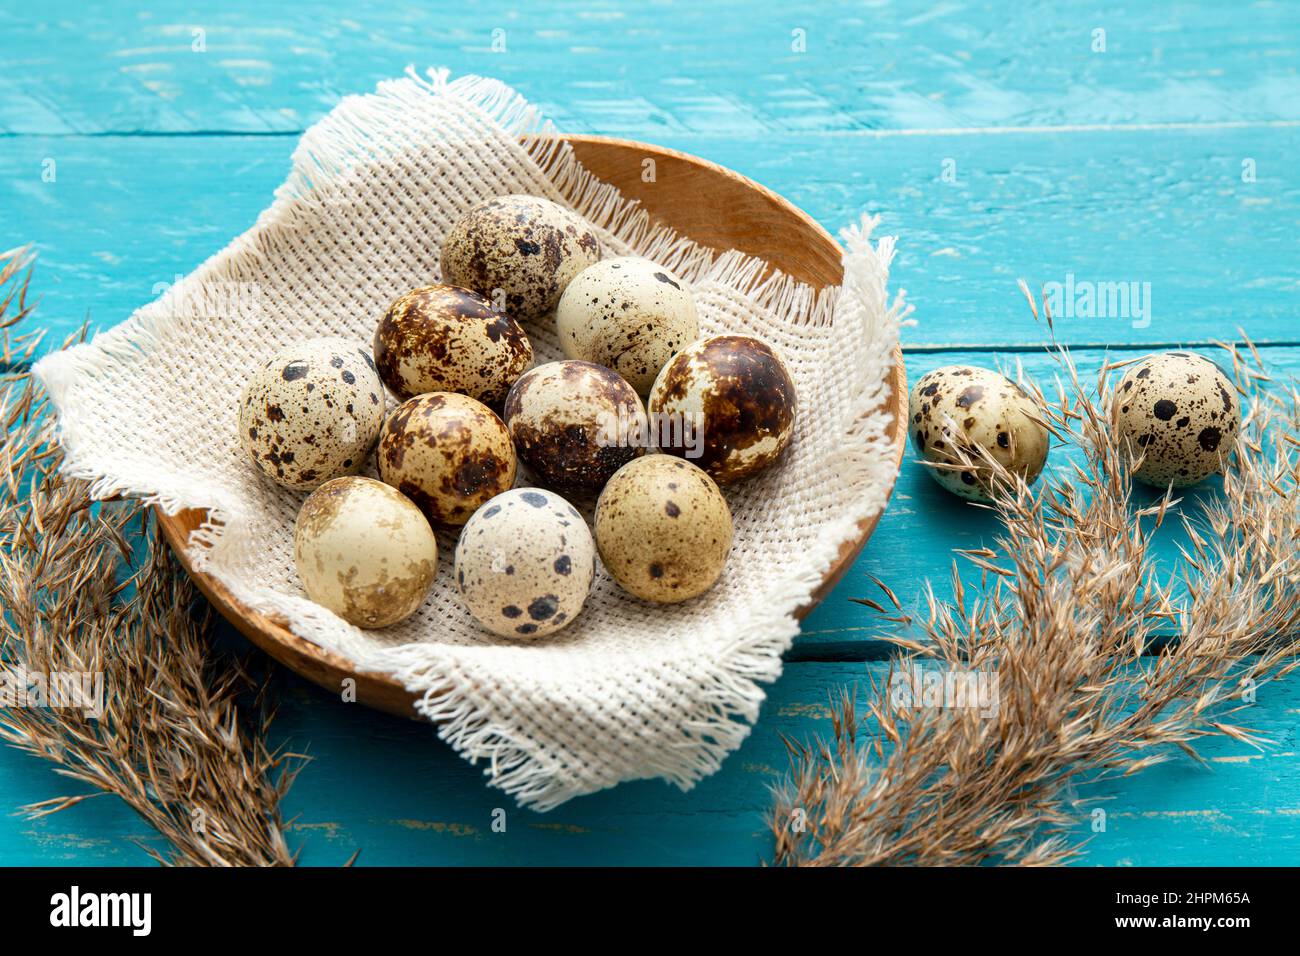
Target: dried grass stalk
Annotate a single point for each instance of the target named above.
(1101, 667)
(91, 588)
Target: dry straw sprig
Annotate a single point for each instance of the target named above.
(1101, 665)
(90, 588)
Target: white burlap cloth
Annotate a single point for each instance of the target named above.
(629, 691)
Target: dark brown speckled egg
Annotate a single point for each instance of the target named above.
(448, 453)
(727, 404)
(574, 424)
(965, 407)
(1180, 412)
(441, 338)
(518, 251)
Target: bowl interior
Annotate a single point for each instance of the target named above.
(714, 206)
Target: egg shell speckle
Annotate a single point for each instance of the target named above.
(524, 563)
(574, 424)
(312, 413)
(442, 338)
(663, 529)
(628, 314)
(364, 551)
(448, 453)
(527, 247)
(963, 406)
(1181, 412)
(739, 395)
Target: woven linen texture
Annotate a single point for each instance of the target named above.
(630, 690)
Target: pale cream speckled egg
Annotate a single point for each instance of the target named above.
(524, 563)
(441, 338)
(448, 453)
(364, 551)
(312, 413)
(733, 401)
(962, 406)
(628, 314)
(663, 529)
(1180, 412)
(574, 424)
(527, 247)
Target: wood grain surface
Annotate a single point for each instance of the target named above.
(994, 140)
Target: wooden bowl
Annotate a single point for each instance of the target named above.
(712, 205)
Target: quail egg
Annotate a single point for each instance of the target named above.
(527, 247)
(574, 424)
(628, 314)
(663, 529)
(441, 338)
(312, 413)
(961, 406)
(727, 403)
(448, 453)
(364, 551)
(524, 563)
(1180, 412)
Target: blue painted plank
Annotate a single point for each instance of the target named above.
(386, 787)
(381, 785)
(1166, 210)
(120, 195)
(1167, 214)
(1074, 195)
(654, 69)
(924, 524)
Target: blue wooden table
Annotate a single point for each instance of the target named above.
(1124, 142)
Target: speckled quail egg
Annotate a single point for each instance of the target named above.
(731, 402)
(628, 314)
(961, 406)
(663, 529)
(574, 424)
(448, 453)
(441, 338)
(312, 413)
(527, 247)
(364, 551)
(1180, 412)
(524, 563)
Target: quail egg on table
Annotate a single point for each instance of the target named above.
(628, 314)
(574, 424)
(364, 551)
(524, 563)
(527, 247)
(448, 453)
(732, 401)
(312, 413)
(663, 529)
(1180, 413)
(969, 408)
(441, 338)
